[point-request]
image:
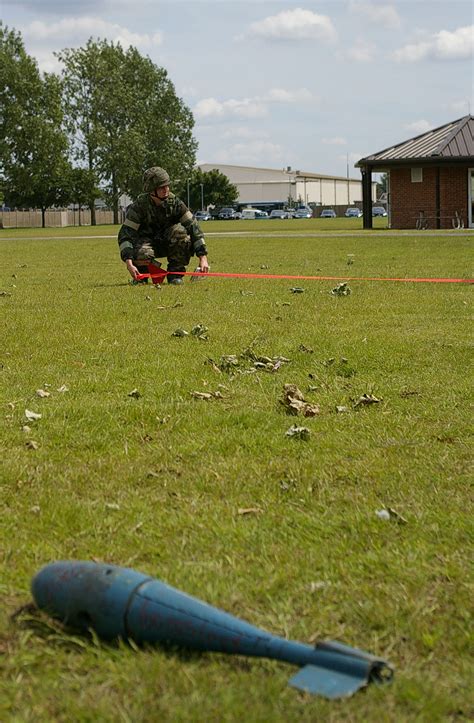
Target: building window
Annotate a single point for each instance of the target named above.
(416, 175)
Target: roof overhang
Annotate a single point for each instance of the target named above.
(385, 164)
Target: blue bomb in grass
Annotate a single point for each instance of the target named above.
(118, 602)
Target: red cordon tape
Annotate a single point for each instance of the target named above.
(301, 278)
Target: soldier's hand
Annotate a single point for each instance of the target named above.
(132, 269)
(203, 264)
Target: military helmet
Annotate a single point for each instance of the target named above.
(154, 178)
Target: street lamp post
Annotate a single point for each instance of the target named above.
(202, 196)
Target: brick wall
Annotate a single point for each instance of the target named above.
(408, 199)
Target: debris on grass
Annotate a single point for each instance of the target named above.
(63, 388)
(409, 393)
(213, 365)
(249, 511)
(297, 290)
(298, 432)
(341, 408)
(397, 516)
(288, 484)
(207, 395)
(36, 509)
(341, 289)
(350, 259)
(31, 444)
(134, 393)
(112, 506)
(388, 513)
(295, 402)
(248, 362)
(366, 400)
(342, 367)
(26, 429)
(305, 349)
(32, 416)
(42, 393)
(319, 585)
(200, 331)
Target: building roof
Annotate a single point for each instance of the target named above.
(451, 142)
(253, 174)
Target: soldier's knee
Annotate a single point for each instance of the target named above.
(144, 252)
(178, 233)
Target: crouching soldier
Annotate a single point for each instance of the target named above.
(160, 225)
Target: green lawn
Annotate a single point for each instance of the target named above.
(158, 480)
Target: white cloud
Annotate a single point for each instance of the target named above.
(297, 24)
(335, 141)
(385, 16)
(459, 106)
(248, 107)
(213, 108)
(445, 45)
(245, 133)
(76, 30)
(78, 7)
(419, 126)
(279, 95)
(251, 153)
(362, 52)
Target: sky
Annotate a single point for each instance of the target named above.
(314, 85)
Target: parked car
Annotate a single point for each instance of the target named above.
(227, 214)
(379, 211)
(202, 216)
(328, 213)
(353, 213)
(303, 213)
(279, 213)
(253, 213)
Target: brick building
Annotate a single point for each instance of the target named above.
(430, 178)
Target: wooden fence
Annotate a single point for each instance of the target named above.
(54, 219)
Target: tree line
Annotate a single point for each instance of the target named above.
(90, 131)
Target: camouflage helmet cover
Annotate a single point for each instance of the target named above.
(154, 178)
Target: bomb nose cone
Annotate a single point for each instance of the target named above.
(87, 595)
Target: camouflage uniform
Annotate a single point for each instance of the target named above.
(153, 231)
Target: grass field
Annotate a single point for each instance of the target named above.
(212, 496)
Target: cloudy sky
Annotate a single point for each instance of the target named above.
(312, 84)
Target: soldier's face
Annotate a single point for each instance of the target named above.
(161, 193)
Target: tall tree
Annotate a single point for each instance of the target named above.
(125, 115)
(83, 188)
(81, 98)
(33, 146)
(207, 188)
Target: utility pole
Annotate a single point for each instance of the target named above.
(348, 182)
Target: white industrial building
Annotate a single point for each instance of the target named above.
(270, 185)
